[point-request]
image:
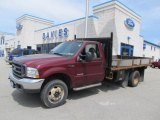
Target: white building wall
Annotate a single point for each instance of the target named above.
(106, 24)
(7, 37)
(111, 19)
(26, 36)
(126, 35)
(11, 43)
(151, 51)
(75, 28)
(56, 38)
(80, 28)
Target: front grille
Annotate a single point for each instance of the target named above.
(18, 70)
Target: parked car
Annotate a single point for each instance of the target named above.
(156, 64)
(18, 52)
(75, 65)
(1, 53)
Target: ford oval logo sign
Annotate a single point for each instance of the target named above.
(129, 23)
(19, 26)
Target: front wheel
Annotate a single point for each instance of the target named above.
(54, 93)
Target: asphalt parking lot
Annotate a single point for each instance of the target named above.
(107, 102)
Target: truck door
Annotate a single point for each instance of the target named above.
(94, 70)
(91, 72)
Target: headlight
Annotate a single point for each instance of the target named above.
(32, 72)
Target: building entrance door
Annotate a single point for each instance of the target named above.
(126, 49)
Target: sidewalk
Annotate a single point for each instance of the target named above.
(2, 58)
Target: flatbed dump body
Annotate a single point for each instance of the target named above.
(122, 64)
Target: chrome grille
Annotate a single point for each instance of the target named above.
(18, 70)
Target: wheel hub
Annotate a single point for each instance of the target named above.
(136, 80)
(55, 94)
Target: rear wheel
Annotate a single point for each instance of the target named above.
(54, 93)
(152, 66)
(134, 79)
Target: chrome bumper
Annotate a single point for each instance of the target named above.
(26, 84)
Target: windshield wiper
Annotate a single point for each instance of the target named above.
(58, 54)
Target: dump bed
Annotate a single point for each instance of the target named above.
(127, 63)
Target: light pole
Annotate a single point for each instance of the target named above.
(86, 21)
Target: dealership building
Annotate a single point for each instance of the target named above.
(113, 16)
(7, 43)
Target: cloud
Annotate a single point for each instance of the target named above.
(59, 9)
(55, 10)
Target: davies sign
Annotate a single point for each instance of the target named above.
(56, 34)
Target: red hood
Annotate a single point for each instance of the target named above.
(40, 59)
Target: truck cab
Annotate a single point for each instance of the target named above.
(156, 64)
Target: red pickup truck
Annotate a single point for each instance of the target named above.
(156, 64)
(75, 65)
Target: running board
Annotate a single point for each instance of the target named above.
(86, 87)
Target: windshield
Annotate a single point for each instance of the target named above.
(66, 48)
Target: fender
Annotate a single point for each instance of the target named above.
(57, 70)
(54, 70)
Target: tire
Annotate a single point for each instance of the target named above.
(152, 66)
(134, 79)
(54, 93)
(159, 67)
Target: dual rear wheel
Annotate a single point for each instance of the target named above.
(134, 79)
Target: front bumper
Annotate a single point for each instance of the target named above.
(10, 62)
(26, 84)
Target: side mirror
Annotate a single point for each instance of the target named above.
(79, 59)
(89, 57)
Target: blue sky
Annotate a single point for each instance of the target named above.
(66, 10)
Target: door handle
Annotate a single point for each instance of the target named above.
(71, 66)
